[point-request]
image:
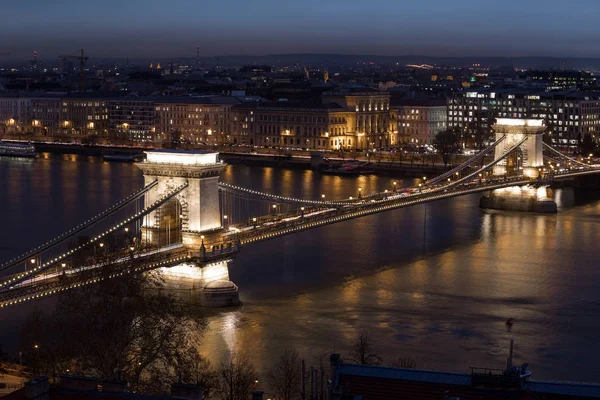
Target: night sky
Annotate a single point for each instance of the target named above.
(171, 28)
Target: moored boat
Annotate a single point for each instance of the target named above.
(123, 157)
(349, 168)
(23, 150)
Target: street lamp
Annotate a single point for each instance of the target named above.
(63, 265)
(302, 211)
(126, 230)
(32, 260)
(322, 196)
(254, 221)
(359, 193)
(101, 245)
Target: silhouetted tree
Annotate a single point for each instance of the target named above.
(363, 353)
(114, 327)
(285, 376)
(236, 378)
(194, 369)
(446, 144)
(587, 146)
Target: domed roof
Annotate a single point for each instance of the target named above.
(220, 285)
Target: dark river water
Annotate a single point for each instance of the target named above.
(433, 282)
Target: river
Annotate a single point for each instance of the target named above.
(433, 282)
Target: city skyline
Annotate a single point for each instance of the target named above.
(432, 28)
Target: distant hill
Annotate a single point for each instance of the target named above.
(331, 60)
(345, 60)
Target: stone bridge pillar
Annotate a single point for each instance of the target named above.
(197, 210)
(192, 217)
(528, 158)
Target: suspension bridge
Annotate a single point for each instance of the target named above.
(190, 225)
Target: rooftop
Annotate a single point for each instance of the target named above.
(418, 103)
(379, 383)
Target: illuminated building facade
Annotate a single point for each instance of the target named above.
(569, 114)
(83, 115)
(14, 112)
(294, 126)
(45, 114)
(132, 118)
(420, 120)
(195, 120)
(370, 119)
(54, 115)
(348, 118)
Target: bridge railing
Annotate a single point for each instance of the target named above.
(261, 232)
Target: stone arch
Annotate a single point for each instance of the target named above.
(169, 222)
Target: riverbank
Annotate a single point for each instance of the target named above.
(304, 162)
(386, 166)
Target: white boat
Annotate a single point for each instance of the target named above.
(10, 149)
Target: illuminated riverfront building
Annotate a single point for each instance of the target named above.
(420, 120)
(294, 125)
(370, 119)
(355, 118)
(132, 118)
(570, 114)
(195, 120)
(83, 115)
(16, 113)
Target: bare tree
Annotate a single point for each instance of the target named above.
(236, 378)
(446, 144)
(285, 376)
(194, 369)
(115, 327)
(363, 353)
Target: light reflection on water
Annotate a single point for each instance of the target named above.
(434, 282)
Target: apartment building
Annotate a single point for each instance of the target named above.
(419, 121)
(570, 114)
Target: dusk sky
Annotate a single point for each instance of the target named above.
(161, 28)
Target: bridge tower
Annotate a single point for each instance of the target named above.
(528, 157)
(194, 215)
(524, 160)
(192, 218)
